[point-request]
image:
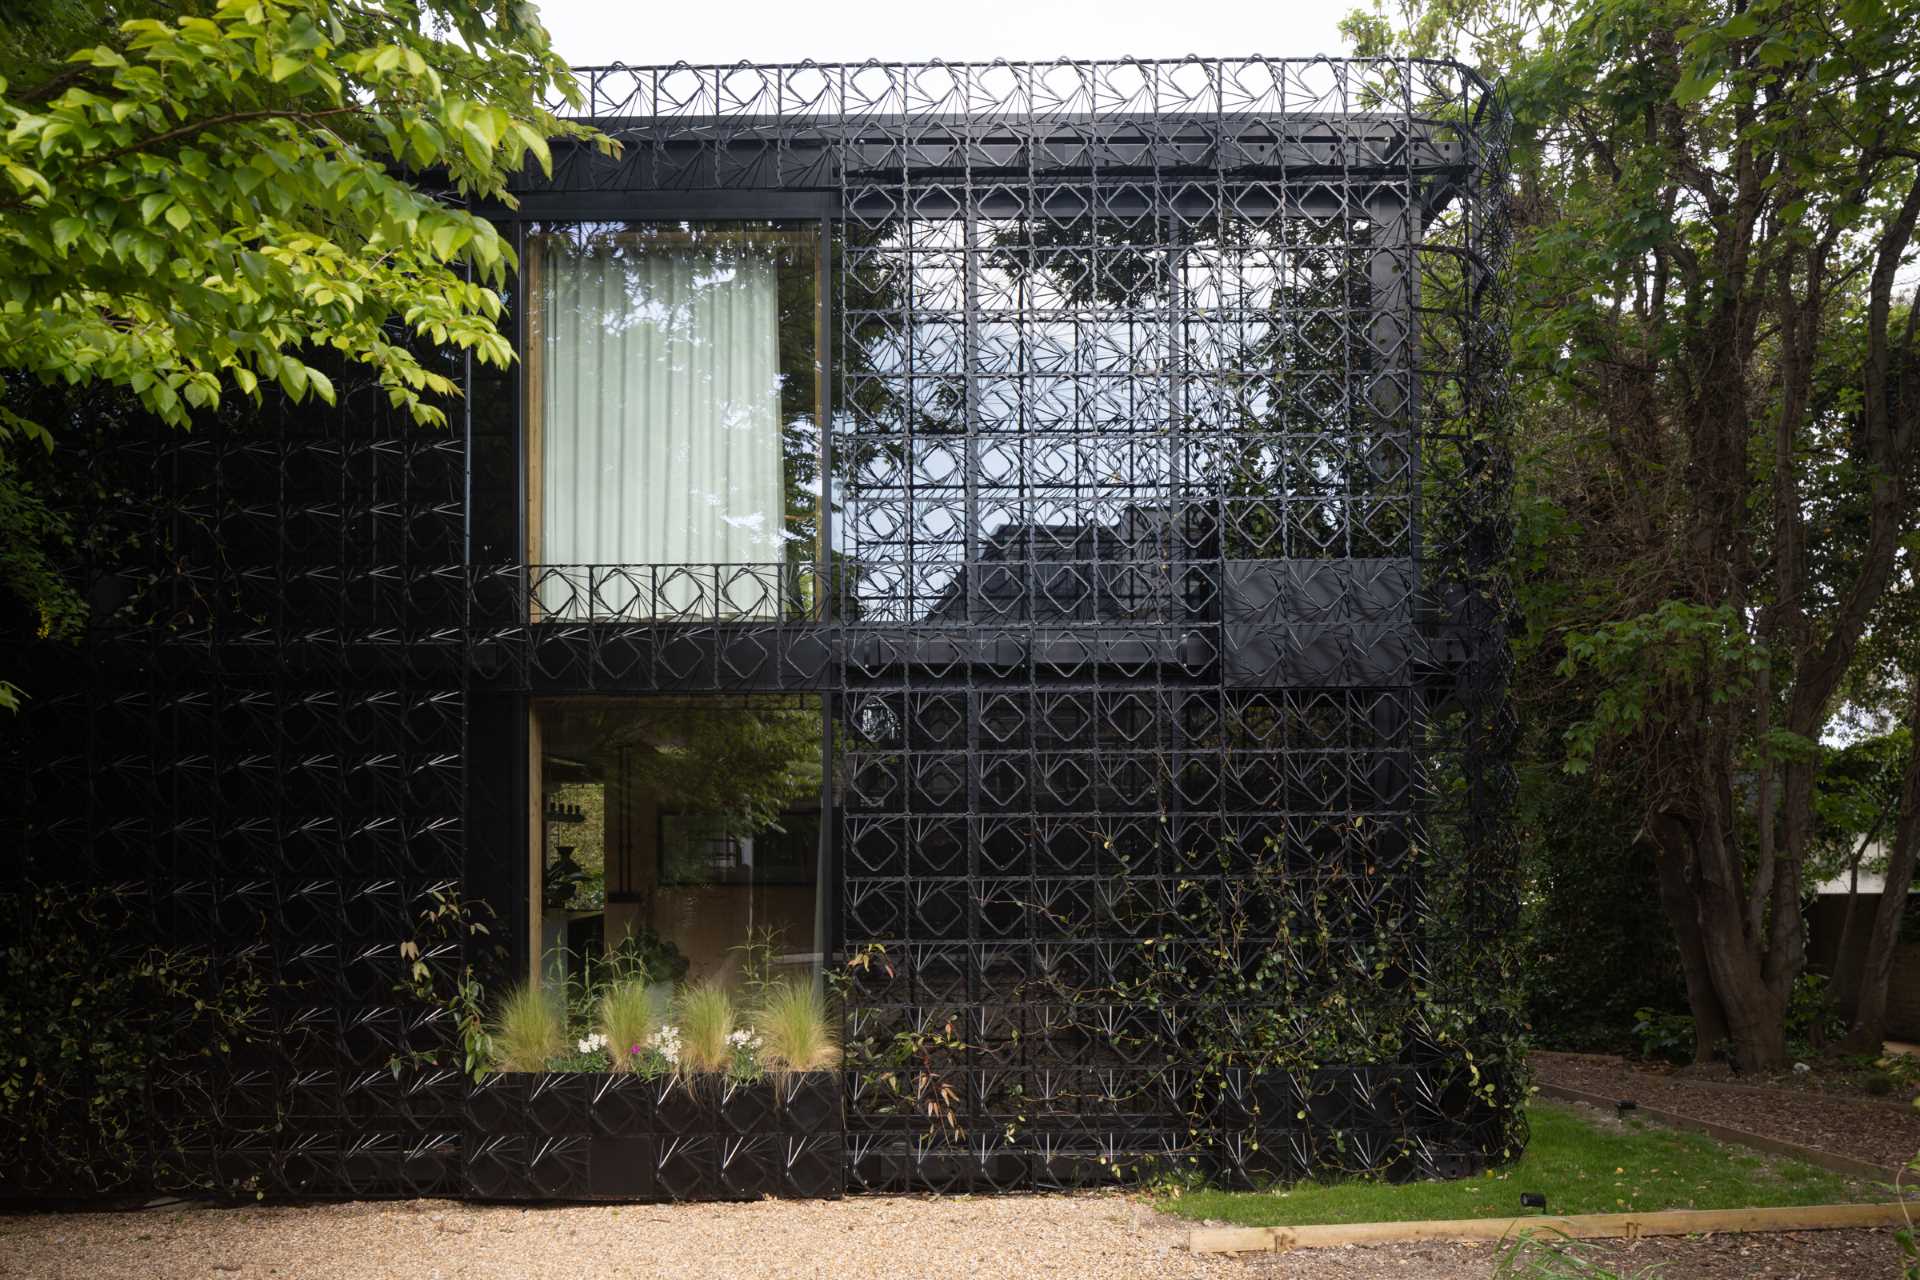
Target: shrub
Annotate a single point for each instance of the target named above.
(1664, 1035)
(648, 956)
(706, 1020)
(529, 1029)
(795, 1034)
(1595, 953)
(626, 1017)
(1813, 1021)
(1902, 1071)
(97, 1006)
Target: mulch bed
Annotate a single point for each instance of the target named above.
(1780, 1255)
(1884, 1132)
(1777, 1255)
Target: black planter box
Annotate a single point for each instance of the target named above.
(592, 1136)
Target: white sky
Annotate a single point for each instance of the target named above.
(643, 33)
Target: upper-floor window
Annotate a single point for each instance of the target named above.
(675, 398)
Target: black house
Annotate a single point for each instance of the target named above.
(1076, 491)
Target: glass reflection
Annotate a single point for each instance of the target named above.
(692, 825)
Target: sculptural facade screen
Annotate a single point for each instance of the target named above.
(1096, 471)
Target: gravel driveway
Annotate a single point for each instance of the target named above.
(1084, 1237)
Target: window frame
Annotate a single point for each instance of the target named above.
(813, 213)
(531, 860)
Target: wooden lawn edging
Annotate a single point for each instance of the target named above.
(1579, 1226)
(1847, 1166)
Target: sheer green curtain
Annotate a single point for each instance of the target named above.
(660, 431)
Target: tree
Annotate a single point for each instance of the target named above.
(1716, 199)
(197, 196)
(1856, 806)
(1865, 994)
(1875, 788)
(741, 764)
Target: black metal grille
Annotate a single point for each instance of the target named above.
(1170, 503)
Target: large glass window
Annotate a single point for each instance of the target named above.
(688, 827)
(674, 407)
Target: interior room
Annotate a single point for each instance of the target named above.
(685, 830)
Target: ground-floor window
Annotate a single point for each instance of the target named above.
(682, 830)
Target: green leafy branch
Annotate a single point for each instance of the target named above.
(1650, 662)
(441, 973)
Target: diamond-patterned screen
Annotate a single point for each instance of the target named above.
(1157, 608)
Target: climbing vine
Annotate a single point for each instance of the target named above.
(448, 962)
(1280, 987)
(1352, 1007)
(105, 1022)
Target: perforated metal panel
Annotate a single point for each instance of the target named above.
(1169, 500)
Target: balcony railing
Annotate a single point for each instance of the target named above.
(692, 593)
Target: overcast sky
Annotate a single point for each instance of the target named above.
(642, 32)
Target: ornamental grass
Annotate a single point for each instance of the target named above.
(529, 1029)
(795, 1031)
(706, 1018)
(626, 1016)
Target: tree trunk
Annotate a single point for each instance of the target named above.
(1709, 1019)
(1849, 958)
(1739, 1002)
(1756, 1024)
(1755, 1005)
(1868, 1028)
(1848, 955)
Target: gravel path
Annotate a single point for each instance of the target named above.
(1085, 1237)
(1887, 1133)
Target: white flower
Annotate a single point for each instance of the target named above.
(592, 1043)
(666, 1043)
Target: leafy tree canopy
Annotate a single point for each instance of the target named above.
(196, 196)
(1718, 361)
(742, 764)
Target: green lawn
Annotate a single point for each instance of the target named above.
(1581, 1166)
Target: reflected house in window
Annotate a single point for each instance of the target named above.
(1013, 548)
(1109, 573)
